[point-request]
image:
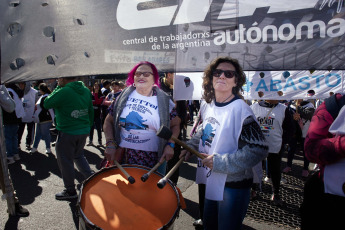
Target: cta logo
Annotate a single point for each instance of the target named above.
(131, 14)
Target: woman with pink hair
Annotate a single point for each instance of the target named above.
(135, 117)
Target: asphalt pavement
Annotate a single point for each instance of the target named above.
(36, 178)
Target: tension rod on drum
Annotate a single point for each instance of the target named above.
(129, 177)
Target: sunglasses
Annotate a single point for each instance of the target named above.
(227, 73)
(146, 74)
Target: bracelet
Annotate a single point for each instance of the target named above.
(110, 147)
(110, 142)
(172, 145)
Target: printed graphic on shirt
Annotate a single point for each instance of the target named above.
(79, 113)
(209, 131)
(207, 135)
(266, 124)
(139, 122)
(133, 121)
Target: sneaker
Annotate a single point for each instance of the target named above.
(66, 195)
(89, 144)
(198, 223)
(287, 169)
(305, 173)
(10, 160)
(48, 151)
(267, 180)
(33, 150)
(276, 200)
(20, 211)
(16, 157)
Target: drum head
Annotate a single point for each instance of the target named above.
(108, 201)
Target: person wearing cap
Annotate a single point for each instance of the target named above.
(71, 101)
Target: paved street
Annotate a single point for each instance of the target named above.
(36, 178)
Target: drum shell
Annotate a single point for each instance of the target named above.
(85, 222)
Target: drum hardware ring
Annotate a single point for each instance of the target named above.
(146, 175)
(129, 177)
(162, 182)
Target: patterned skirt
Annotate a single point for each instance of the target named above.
(139, 157)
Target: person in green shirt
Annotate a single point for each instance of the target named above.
(71, 101)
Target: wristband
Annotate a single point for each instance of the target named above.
(110, 142)
(172, 145)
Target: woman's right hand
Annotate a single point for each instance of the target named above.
(185, 154)
(109, 153)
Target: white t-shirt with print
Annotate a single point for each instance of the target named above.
(140, 121)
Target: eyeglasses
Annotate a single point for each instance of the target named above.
(227, 73)
(146, 74)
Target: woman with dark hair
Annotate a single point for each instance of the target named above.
(44, 119)
(97, 99)
(232, 143)
(135, 117)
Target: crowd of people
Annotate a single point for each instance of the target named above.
(235, 139)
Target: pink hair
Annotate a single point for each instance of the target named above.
(130, 79)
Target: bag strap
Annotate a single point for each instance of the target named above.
(333, 106)
(269, 113)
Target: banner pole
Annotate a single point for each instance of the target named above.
(5, 180)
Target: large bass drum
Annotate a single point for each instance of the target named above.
(108, 201)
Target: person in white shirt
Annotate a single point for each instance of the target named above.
(231, 141)
(29, 100)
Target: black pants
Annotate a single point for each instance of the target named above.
(320, 210)
(30, 135)
(201, 191)
(273, 165)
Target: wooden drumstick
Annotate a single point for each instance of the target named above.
(165, 133)
(162, 182)
(146, 175)
(129, 177)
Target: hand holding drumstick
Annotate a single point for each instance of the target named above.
(207, 160)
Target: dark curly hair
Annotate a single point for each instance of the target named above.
(44, 88)
(207, 85)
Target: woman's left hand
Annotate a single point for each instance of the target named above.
(168, 153)
(208, 161)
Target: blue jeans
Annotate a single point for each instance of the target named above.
(43, 132)
(229, 213)
(11, 139)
